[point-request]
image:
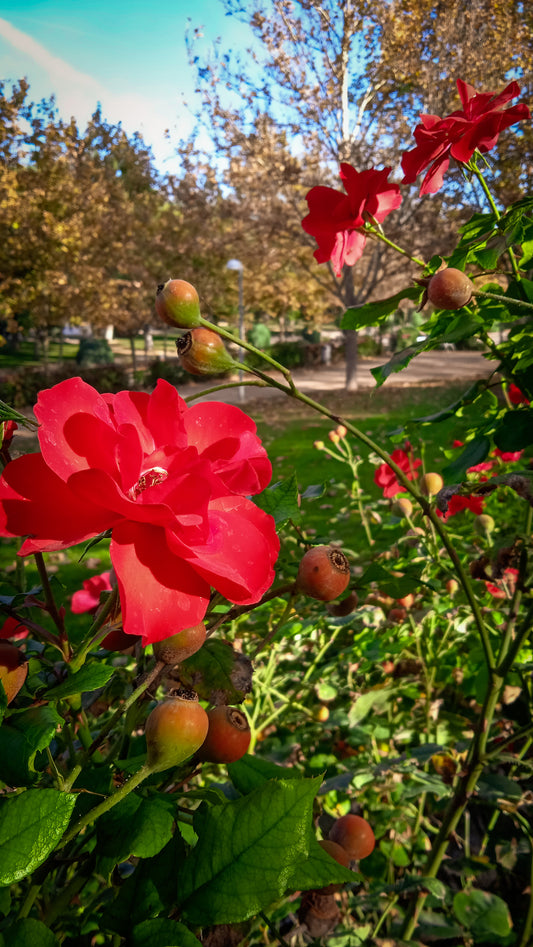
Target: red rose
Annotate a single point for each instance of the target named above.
(7, 429)
(504, 587)
(385, 477)
(172, 483)
(13, 628)
(335, 219)
(516, 396)
(87, 599)
(476, 126)
(479, 468)
(458, 503)
(508, 456)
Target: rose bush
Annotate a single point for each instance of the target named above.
(170, 482)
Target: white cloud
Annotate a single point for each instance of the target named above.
(77, 93)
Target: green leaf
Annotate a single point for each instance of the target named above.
(28, 932)
(467, 398)
(135, 827)
(251, 851)
(484, 914)
(515, 430)
(376, 701)
(163, 932)
(474, 453)
(281, 500)
(90, 678)
(395, 586)
(372, 313)
(314, 491)
(479, 225)
(31, 825)
(218, 673)
(21, 737)
(149, 891)
(251, 771)
(398, 361)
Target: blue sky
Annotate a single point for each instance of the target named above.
(129, 55)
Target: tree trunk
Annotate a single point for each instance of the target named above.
(350, 335)
(133, 357)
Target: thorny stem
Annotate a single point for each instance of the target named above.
(96, 631)
(381, 236)
(148, 679)
(503, 299)
(481, 178)
(477, 755)
(107, 804)
(248, 346)
(51, 606)
(230, 384)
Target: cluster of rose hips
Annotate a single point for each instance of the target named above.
(179, 728)
(201, 350)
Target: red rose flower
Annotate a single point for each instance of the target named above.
(508, 456)
(7, 429)
(13, 628)
(476, 126)
(385, 477)
(87, 599)
(504, 587)
(335, 219)
(172, 483)
(458, 503)
(516, 396)
(479, 468)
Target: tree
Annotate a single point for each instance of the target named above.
(344, 81)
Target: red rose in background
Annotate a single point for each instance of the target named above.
(385, 477)
(172, 483)
(334, 218)
(516, 396)
(13, 628)
(504, 587)
(458, 503)
(508, 456)
(87, 599)
(476, 126)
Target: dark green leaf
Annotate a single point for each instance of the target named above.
(251, 771)
(398, 361)
(251, 851)
(474, 453)
(485, 914)
(314, 491)
(395, 586)
(218, 673)
(148, 891)
(28, 932)
(31, 825)
(163, 932)
(90, 678)
(281, 500)
(135, 827)
(515, 430)
(372, 313)
(21, 737)
(469, 397)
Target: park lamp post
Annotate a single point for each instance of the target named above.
(237, 265)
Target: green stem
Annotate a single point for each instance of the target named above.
(281, 940)
(96, 631)
(503, 299)
(248, 346)
(108, 803)
(51, 606)
(481, 178)
(381, 236)
(230, 384)
(145, 683)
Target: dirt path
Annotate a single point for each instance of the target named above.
(429, 368)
